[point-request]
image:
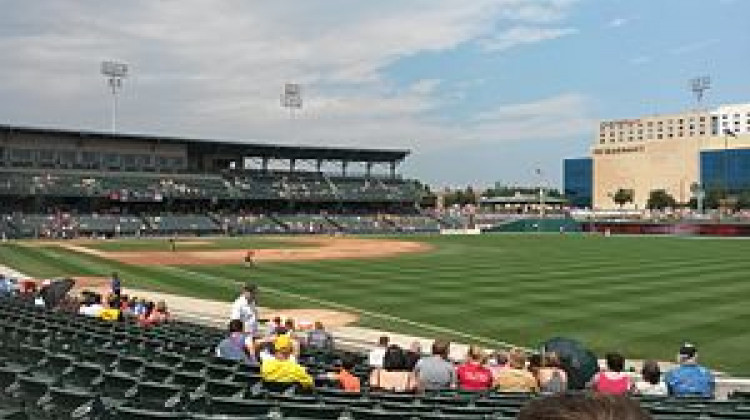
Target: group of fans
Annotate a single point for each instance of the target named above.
(394, 369)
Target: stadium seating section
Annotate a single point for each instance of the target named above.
(62, 366)
(149, 187)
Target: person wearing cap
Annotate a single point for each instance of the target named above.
(244, 309)
(281, 368)
(690, 379)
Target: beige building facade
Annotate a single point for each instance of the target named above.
(661, 152)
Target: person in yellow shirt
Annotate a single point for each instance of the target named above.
(281, 369)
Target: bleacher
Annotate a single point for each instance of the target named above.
(62, 366)
(306, 224)
(173, 224)
(95, 224)
(249, 224)
(414, 223)
(363, 223)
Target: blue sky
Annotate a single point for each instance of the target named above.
(480, 91)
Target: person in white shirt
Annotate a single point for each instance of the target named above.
(244, 309)
(650, 382)
(376, 355)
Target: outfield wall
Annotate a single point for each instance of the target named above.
(646, 228)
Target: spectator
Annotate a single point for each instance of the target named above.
(516, 378)
(498, 362)
(158, 315)
(245, 310)
(281, 369)
(273, 326)
(393, 376)
(6, 289)
(92, 306)
(612, 381)
(140, 308)
(552, 378)
(473, 375)
(375, 357)
(436, 372)
(111, 312)
(583, 407)
(413, 355)
(320, 339)
(690, 379)
(650, 382)
(238, 345)
(347, 380)
(115, 285)
(534, 364)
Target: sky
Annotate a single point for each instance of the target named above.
(480, 91)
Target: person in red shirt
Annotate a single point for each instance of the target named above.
(473, 375)
(613, 381)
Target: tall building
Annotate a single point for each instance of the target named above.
(671, 152)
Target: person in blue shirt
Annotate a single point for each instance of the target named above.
(6, 289)
(690, 379)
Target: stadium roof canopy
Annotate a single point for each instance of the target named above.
(273, 151)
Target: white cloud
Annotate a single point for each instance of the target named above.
(618, 22)
(215, 69)
(522, 35)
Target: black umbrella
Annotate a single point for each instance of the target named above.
(578, 362)
(56, 291)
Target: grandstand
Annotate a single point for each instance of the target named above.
(58, 183)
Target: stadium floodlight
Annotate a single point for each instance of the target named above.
(699, 86)
(115, 72)
(291, 99)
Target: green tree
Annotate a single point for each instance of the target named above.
(623, 196)
(660, 200)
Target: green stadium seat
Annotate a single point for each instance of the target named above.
(309, 411)
(82, 376)
(131, 413)
(236, 406)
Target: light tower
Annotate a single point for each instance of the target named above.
(699, 86)
(291, 99)
(115, 72)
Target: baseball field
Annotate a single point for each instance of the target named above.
(642, 296)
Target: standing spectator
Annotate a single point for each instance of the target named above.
(516, 378)
(690, 379)
(115, 284)
(473, 375)
(413, 355)
(393, 376)
(375, 357)
(320, 339)
(280, 368)
(245, 310)
(552, 378)
(238, 345)
(436, 372)
(650, 382)
(612, 381)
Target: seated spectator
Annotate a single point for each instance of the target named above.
(273, 326)
(436, 372)
(92, 306)
(690, 379)
(6, 288)
(498, 362)
(111, 312)
(157, 315)
(612, 381)
(473, 375)
(319, 339)
(281, 369)
(583, 407)
(650, 382)
(347, 380)
(413, 355)
(393, 376)
(552, 378)
(516, 378)
(375, 357)
(140, 308)
(238, 345)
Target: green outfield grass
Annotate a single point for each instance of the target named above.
(642, 296)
